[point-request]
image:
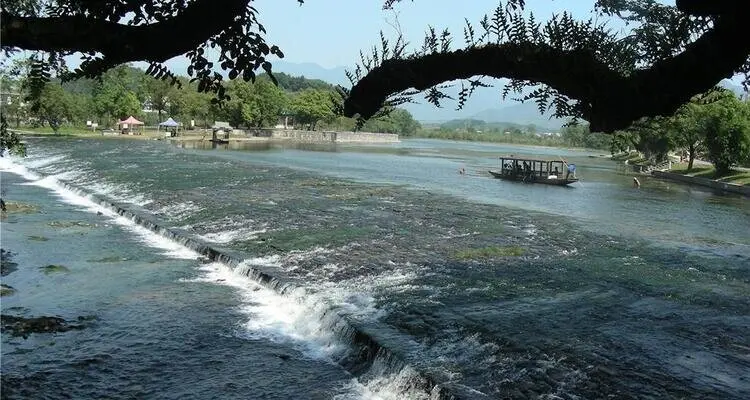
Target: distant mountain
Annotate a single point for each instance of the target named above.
(521, 114)
(336, 76)
(479, 124)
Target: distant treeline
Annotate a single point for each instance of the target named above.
(124, 91)
(506, 132)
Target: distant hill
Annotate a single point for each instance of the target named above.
(479, 124)
(335, 76)
(521, 114)
(296, 83)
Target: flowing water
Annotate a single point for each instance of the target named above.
(368, 272)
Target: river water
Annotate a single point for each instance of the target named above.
(486, 288)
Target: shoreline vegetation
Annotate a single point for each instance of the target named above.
(707, 171)
(296, 102)
(205, 134)
(703, 173)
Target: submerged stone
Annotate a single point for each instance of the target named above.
(53, 268)
(21, 208)
(69, 224)
(7, 266)
(37, 238)
(109, 259)
(6, 290)
(22, 327)
(489, 252)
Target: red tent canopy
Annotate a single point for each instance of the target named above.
(130, 121)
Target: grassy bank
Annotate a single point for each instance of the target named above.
(88, 133)
(78, 132)
(709, 172)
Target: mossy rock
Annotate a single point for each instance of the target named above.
(23, 326)
(109, 259)
(489, 252)
(21, 208)
(37, 238)
(69, 224)
(53, 269)
(7, 266)
(6, 290)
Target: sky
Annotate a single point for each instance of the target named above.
(331, 33)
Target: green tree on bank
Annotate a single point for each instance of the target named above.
(726, 123)
(715, 126)
(54, 107)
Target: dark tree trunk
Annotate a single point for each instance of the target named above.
(691, 156)
(721, 170)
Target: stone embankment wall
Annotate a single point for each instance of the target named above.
(365, 137)
(729, 187)
(323, 136)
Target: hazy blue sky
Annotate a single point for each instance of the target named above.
(331, 32)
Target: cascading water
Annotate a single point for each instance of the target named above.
(407, 288)
(284, 311)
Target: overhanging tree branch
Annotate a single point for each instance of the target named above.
(609, 100)
(120, 43)
(575, 73)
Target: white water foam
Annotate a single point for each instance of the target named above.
(179, 211)
(229, 229)
(41, 161)
(170, 248)
(296, 318)
(119, 193)
(230, 236)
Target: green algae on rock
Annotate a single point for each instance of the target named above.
(6, 290)
(489, 252)
(23, 327)
(53, 268)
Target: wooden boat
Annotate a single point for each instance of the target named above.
(527, 170)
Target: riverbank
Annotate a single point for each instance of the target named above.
(703, 173)
(702, 169)
(736, 182)
(261, 135)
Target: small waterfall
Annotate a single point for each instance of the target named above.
(368, 356)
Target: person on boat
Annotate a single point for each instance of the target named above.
(554, 174)
(571, 170)
(636, 183)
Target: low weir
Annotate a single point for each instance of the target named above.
(368, 352)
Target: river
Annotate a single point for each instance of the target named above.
(487, 288)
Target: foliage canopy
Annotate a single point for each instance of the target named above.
(581, 69)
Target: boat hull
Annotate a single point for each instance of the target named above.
(543, 181)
